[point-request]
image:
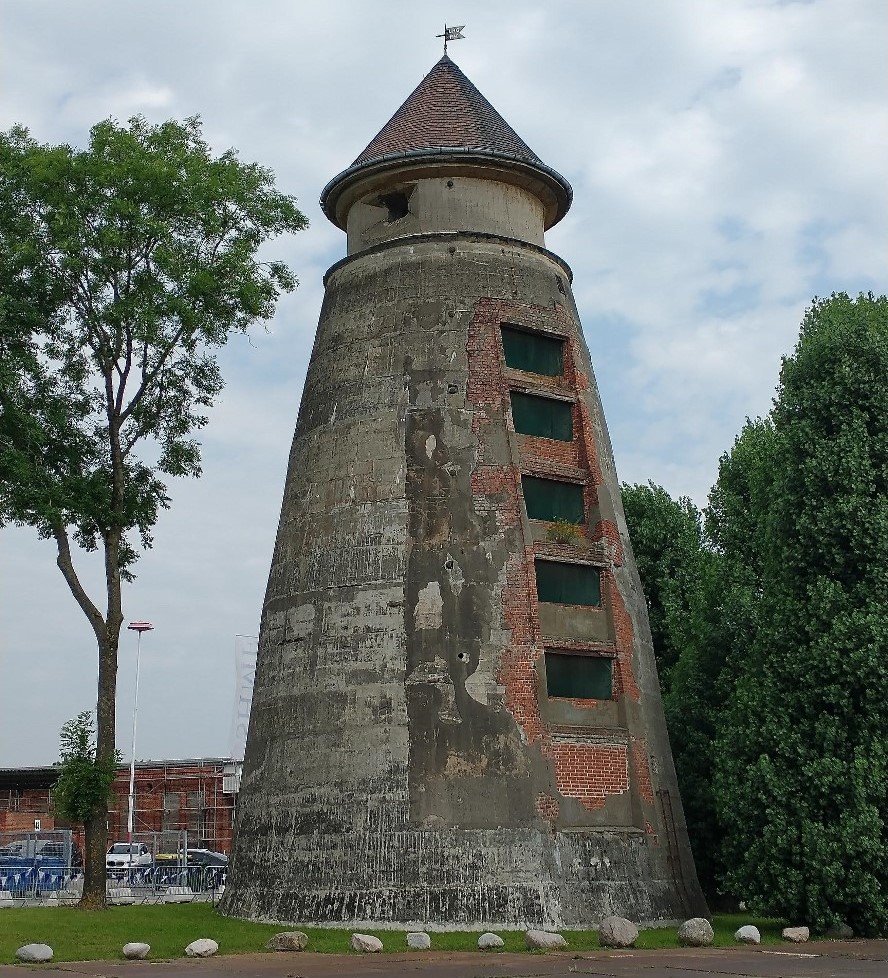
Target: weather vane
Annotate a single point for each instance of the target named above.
(452, 34)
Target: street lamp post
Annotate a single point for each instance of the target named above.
(135, 626)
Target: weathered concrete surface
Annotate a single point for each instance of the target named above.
(387, 779)
(860, 959)
(405, 763)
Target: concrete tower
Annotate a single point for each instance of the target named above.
(456, 718)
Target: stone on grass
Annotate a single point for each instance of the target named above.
(696, 932)
(287, 940)
(617, 932)
(840, 932)
(203, 947)
(366, 942)
(748, 934)
(543, 940)
(488, 941)
(34, 952)
(136, 950)
(798, 935)
(419, 941)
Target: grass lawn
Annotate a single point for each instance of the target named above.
(76, 935)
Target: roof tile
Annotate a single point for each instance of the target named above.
(446, 110)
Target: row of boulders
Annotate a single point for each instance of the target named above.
(612, 932)
(136, 950)
(536, 940)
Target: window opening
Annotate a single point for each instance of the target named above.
(533, 352)
(579, 676)
(397, 205)
(542, 416)
(549, 499)
(560, 583)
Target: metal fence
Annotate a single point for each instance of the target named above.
(46, 867)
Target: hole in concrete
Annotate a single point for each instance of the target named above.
(462, 656)
(397, 205)
(449, 563)
(449, 184)
(452, 389)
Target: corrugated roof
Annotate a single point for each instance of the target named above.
(445, 110)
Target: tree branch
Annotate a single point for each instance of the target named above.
(66, 566)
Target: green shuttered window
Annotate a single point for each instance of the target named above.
(548, 499)
(586, 677)
(533, 352)
(542, 416)
(568, 583)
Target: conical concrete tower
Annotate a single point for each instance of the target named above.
(456, 718)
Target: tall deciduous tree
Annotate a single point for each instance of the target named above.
(803, 757)
(122, 268)
(667, 541)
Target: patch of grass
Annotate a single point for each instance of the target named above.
(77, 935)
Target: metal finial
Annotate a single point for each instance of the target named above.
(452, 34)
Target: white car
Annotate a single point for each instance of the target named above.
(123, 856)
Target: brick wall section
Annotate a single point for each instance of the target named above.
(642, 770)
(589, 773)
(547, 808)
(586, 773)
(209, 825)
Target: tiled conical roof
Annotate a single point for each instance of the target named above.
(446, 110)
(447, 122)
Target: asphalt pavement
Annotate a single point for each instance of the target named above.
(834, 959)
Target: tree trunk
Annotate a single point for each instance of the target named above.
(96, 826)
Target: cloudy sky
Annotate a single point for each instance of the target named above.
(728, 161)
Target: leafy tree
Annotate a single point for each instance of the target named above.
(84, 783)
(666, 537)
(122, 268)
(802, 771)
(721, 625)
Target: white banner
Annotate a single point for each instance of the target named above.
(245, 650)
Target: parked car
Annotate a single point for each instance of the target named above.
(123, 856)
(195, 857)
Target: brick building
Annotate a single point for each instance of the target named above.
(196, 795)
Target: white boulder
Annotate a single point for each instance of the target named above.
(798, 935)
(136, 950)
(367, 943)
(203, 947)
(617, 932)
(696, 932)
(748, 934)
(488, 941)
(34, 952)
(543, 940)
(419, 941)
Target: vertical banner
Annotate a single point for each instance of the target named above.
(245, 650)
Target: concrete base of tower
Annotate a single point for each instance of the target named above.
(467, 880)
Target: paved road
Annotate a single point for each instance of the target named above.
(848, 959)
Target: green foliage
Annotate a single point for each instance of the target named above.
(121, 267)
(666, 537)
(84, 783)
(802, 773)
